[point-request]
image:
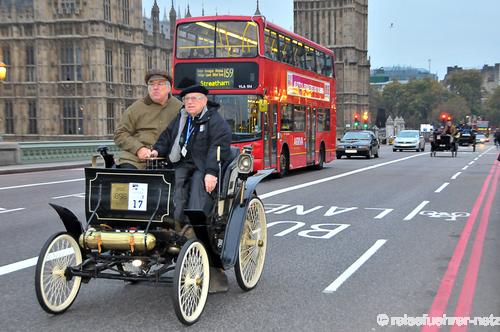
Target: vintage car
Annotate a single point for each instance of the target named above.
(129, 235)
(443, 142)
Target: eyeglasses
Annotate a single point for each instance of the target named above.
(167, 84)
(193, 98)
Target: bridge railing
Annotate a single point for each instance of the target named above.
(51, 151)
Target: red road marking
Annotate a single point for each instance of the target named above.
(443, 295)
(464, 304)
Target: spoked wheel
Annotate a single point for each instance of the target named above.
(191, 281)
(253, 244)
(55, 290)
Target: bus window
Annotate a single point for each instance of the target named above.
(329, 66)
(271, 44)
(324, 119)
(195, 40)
(298, 55)
(236, 39)
(299, 118)
(310, 63)
(242, 115)
(286, 117)
(285, 49)
(320, 62)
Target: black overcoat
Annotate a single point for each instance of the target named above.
(211, 130)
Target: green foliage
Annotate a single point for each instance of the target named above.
(466, 83)
(492, 108)
(421, 101)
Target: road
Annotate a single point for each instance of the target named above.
(350, 247)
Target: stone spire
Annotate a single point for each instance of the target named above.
(257, 11)
(155, 16)
(202, 8)
(188, 14)
(173, 17)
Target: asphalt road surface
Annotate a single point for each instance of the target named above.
(357, 246)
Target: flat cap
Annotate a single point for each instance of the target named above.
(157, 74)
(194, 88)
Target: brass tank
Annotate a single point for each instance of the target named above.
(103, 240)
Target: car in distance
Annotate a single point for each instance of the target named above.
(409, 140)
(358, 143)
(480, 138)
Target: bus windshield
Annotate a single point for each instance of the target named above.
(222, 39)
(241, 112)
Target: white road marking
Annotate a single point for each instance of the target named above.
(464, 168)
(444, 185)
(381, 214)
(18, 266)
(356, 265)
(456, 175)
(472, 162)
(334, 177)
(40, 184)
(476, 158)
(416, 211)
(11, 210)
(79, 195)
(6, 269)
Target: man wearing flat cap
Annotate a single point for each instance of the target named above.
(145, 119)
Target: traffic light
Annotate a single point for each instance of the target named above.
(444, 117)
(365, 116)
(356, 120)
(365, 120)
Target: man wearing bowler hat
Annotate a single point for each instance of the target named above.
(190, 144)
(145, 119)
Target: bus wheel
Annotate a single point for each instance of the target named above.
(284, 164)
(321, 159)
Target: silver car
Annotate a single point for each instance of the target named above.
(409, 140)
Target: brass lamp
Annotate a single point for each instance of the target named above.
(3, 71)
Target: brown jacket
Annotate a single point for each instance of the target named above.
(141, 125)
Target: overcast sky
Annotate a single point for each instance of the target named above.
(400, 32)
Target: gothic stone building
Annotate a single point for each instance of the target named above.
(342, 26)
(74, 66)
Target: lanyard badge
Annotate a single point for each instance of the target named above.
(189, 132)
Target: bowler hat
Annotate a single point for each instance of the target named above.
(194, 88)
(157, 74)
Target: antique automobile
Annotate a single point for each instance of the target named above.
(443, 142)
(129, 235)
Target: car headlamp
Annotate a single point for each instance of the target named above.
(245, 163)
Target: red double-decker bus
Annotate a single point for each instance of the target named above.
(276, 89)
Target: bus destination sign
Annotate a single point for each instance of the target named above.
(215, 78)
(218, 75)
(303, 86)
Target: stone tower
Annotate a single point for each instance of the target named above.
(342, 26)
(173, 17)
(74, 66)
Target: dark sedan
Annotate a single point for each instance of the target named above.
(358, 143)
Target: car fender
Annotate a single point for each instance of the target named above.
(236, 220)
(70, 221)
